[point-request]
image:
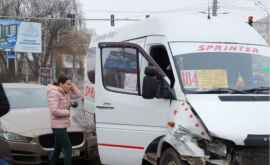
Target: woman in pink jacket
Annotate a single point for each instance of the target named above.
(59, 102)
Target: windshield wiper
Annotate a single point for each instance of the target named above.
(258, 90)
(218, 91)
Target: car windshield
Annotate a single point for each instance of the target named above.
(20, 98)
(223, 72)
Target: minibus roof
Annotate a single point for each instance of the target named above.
(187, 28)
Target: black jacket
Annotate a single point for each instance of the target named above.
(4, 104)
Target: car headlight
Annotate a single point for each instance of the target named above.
(13, 137)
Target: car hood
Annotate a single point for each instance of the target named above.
(32, 122)
(232, 119)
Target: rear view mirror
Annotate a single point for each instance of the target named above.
(150, 83)
(150, 71)
(150, 87)
(154, 85)
(165, 91)
(153, 71)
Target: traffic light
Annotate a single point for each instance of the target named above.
(215, 8)
(250, 20)
(112, 20)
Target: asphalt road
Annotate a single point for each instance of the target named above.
(81, 162)
(93, 161)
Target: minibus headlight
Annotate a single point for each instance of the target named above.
(215, 147)
(9, 136)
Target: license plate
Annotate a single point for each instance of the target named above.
(75, 153)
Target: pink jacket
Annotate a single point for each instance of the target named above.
(59, 104)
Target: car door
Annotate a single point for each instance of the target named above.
(126, 122)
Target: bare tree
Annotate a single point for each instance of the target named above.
(52, 29)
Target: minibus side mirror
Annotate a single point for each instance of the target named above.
(154, 85)
(165, 91)
(150, 83)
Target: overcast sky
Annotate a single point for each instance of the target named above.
(139, 8)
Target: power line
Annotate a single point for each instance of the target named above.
(69, 19)
(149, 12)
(235, 6)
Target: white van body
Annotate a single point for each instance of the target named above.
(212, 124)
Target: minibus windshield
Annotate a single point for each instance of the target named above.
(223, 72)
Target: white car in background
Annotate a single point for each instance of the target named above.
(26, 128)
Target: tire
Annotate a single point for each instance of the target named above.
(170, 157)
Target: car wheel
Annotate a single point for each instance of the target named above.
(170, 157)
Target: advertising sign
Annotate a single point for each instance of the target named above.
(204, 79)
(29, 37)
(8, 33)
(20, 36)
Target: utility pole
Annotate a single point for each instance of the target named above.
(26, 67)
(215, 8)
(112, 20)
(74, 26)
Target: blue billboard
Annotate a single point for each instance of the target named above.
(20, 36)
(8, 33)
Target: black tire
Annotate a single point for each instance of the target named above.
(170, 157)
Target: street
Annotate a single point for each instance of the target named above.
(80, 162)
(93, 161)
(167, 83)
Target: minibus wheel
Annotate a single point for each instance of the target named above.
(170, 157)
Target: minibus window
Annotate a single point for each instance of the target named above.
(120, 69)
(160, 55)
(212, 70)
